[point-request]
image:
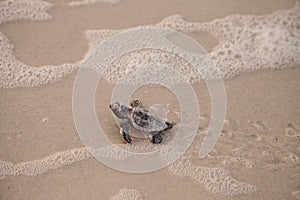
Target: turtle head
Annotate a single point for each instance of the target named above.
(120, 110)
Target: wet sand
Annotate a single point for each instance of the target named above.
(37, 122)
(258, 101)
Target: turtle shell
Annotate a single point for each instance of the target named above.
(143, 120)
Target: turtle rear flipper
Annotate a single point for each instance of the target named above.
(169, 126)
(156, 138)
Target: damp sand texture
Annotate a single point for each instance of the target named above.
(255, 47)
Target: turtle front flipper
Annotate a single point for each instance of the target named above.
(156, 138)
(125, 130)
(126, 137)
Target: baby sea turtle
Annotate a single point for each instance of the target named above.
(141, 119)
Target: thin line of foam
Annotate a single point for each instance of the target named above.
(127, 194)
(217, 180)
(89, 2)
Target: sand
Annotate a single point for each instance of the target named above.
(263, 109)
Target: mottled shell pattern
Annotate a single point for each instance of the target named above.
(143, 120)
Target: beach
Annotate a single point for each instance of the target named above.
(42, 156)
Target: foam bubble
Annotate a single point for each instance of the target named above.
(267, 155)
(261, 126)
(243, 161)
(88, 2)
(294, 158)
(240, 158)
(127, 194)
(45, 120)
(292, 131)
(11, 10)
(216, 180)
(296, 194)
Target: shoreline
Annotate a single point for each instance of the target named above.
(256, 157)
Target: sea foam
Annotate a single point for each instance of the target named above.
(296, 194)
(246, 43)
(14, 73)
(11, 10)
(88, 2)
(266, 153)
(127, 194)
(217, 180)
